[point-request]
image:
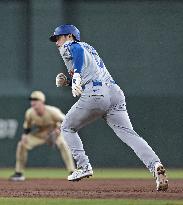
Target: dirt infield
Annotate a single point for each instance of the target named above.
(90, 188)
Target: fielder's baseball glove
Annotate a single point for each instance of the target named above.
(51, 139)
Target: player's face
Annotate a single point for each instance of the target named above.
(62, 39)
(37, 105)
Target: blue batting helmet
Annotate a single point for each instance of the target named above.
(64, 30)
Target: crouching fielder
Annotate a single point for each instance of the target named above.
(41, 126)
(100, 97)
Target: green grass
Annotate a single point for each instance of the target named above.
(98, 173)
(30, 201)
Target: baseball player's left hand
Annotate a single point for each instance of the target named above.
(76, 85)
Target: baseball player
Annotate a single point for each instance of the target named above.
(41, 126)
(100, 97)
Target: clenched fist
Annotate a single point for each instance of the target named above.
(61, 80)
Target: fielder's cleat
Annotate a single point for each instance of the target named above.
(83, 172)
(17, 176)
(161, 179)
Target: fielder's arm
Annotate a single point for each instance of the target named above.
(27, 123)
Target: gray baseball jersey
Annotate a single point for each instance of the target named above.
(101, 98)
(92, 69)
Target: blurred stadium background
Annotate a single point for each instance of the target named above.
(141, 43)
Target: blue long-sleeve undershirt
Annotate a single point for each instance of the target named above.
(77, 53)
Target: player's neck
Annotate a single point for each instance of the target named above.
(41, 111)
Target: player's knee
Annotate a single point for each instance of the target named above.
(21, 145)
(64, 125)
(23, 142)
(67, 127)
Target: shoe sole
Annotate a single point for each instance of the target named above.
(78, 179)
(163, 184)
(17, 179)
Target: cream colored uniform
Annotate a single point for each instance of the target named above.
(42, 129)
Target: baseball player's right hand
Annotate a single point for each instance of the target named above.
(76, 85)
(61, 80)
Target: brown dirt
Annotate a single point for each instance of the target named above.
(90, 188)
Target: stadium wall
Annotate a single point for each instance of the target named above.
(141, 44)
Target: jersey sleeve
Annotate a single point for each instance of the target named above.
(77, 53)
(27, 120)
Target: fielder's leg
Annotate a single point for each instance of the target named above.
(117, 118)
(26, 143)
(65, 153)
(21, 159)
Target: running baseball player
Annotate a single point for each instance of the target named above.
(100, 97)
(42, 125)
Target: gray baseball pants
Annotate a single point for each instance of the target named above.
(107, 102)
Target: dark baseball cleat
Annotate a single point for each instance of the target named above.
(81, 173)
(17, 176)
(161, 178)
